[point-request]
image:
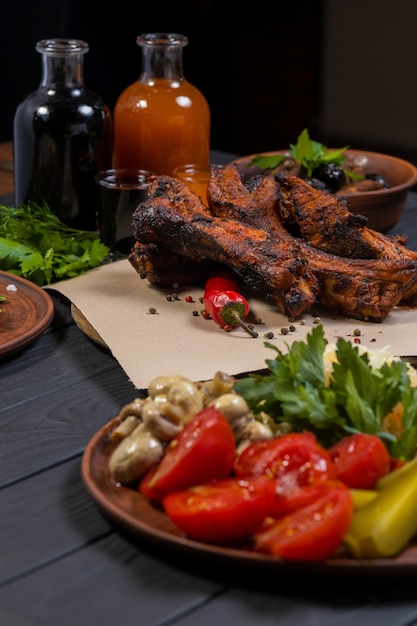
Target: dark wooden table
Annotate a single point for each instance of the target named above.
(63, 563)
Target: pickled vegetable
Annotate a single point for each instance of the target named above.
(383, 527)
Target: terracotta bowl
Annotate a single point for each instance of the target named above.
(384, 207)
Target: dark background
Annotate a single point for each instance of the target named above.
(268, 69)
(257, 68)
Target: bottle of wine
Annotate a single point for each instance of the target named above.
(63, 136)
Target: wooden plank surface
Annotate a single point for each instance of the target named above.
(72, 387)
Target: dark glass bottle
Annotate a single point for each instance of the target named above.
(63, 136)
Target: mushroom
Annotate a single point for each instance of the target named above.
(133, 408)
(125, 428)
(162, 418)
(180, 392)
(220, 384)
(231, 406)
(135, 455)
(186, 395)
(254, 431)
(160, 385)
(130, 416)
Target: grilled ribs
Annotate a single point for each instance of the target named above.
(279, 237)
(288, 206)
(332, 228)
(175, 219)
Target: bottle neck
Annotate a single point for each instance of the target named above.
(62, 62)
(162, 56)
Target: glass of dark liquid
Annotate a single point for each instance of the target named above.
(119, 193)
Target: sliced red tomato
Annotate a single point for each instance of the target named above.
(285, 503)
(360, 460)
(203, 450)
(311, 533)
(294, 460)
(223, 510)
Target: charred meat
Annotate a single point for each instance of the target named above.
(282, 237)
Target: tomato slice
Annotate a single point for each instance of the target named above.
(285, 503)
(203, 450)
(312, 533)
(360, 460)
(223, 510)
(294, 460)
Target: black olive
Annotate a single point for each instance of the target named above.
(379, 179)
(331, 174)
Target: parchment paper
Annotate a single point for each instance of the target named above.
(116, 302)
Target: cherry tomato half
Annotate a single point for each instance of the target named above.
(294, 460)
(311, 533)
(203, 450)
(223, 510)
(285, 503)
(360, 460)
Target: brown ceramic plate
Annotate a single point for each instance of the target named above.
(128, 508)
(25, 314)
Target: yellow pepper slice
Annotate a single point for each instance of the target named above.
(361, 497)
(383, 527)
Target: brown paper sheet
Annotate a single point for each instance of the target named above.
(116, 302)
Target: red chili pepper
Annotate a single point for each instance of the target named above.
(225, 305)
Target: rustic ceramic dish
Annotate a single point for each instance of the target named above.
(384, 207)
(25, 314)
(131, 511)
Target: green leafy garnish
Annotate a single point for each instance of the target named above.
(309, 153)
(36, 245)
(356, 399)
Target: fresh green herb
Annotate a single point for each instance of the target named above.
(356, 399)
(2, 299)
(35, 244)
(309, 153)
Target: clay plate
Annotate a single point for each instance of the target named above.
(134, 513)
(26, 313)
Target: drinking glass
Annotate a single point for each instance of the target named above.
(120, 192)
(196, 177)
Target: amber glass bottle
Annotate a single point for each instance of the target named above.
(161, 121)
(63, 136)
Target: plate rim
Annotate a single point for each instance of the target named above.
(43, 320)
(402, 565)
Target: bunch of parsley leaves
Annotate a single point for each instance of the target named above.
(36, 245)
(310, 154)
(357, 399)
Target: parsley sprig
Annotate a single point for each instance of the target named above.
(357, 398)
(35, 244)
(309, 153)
